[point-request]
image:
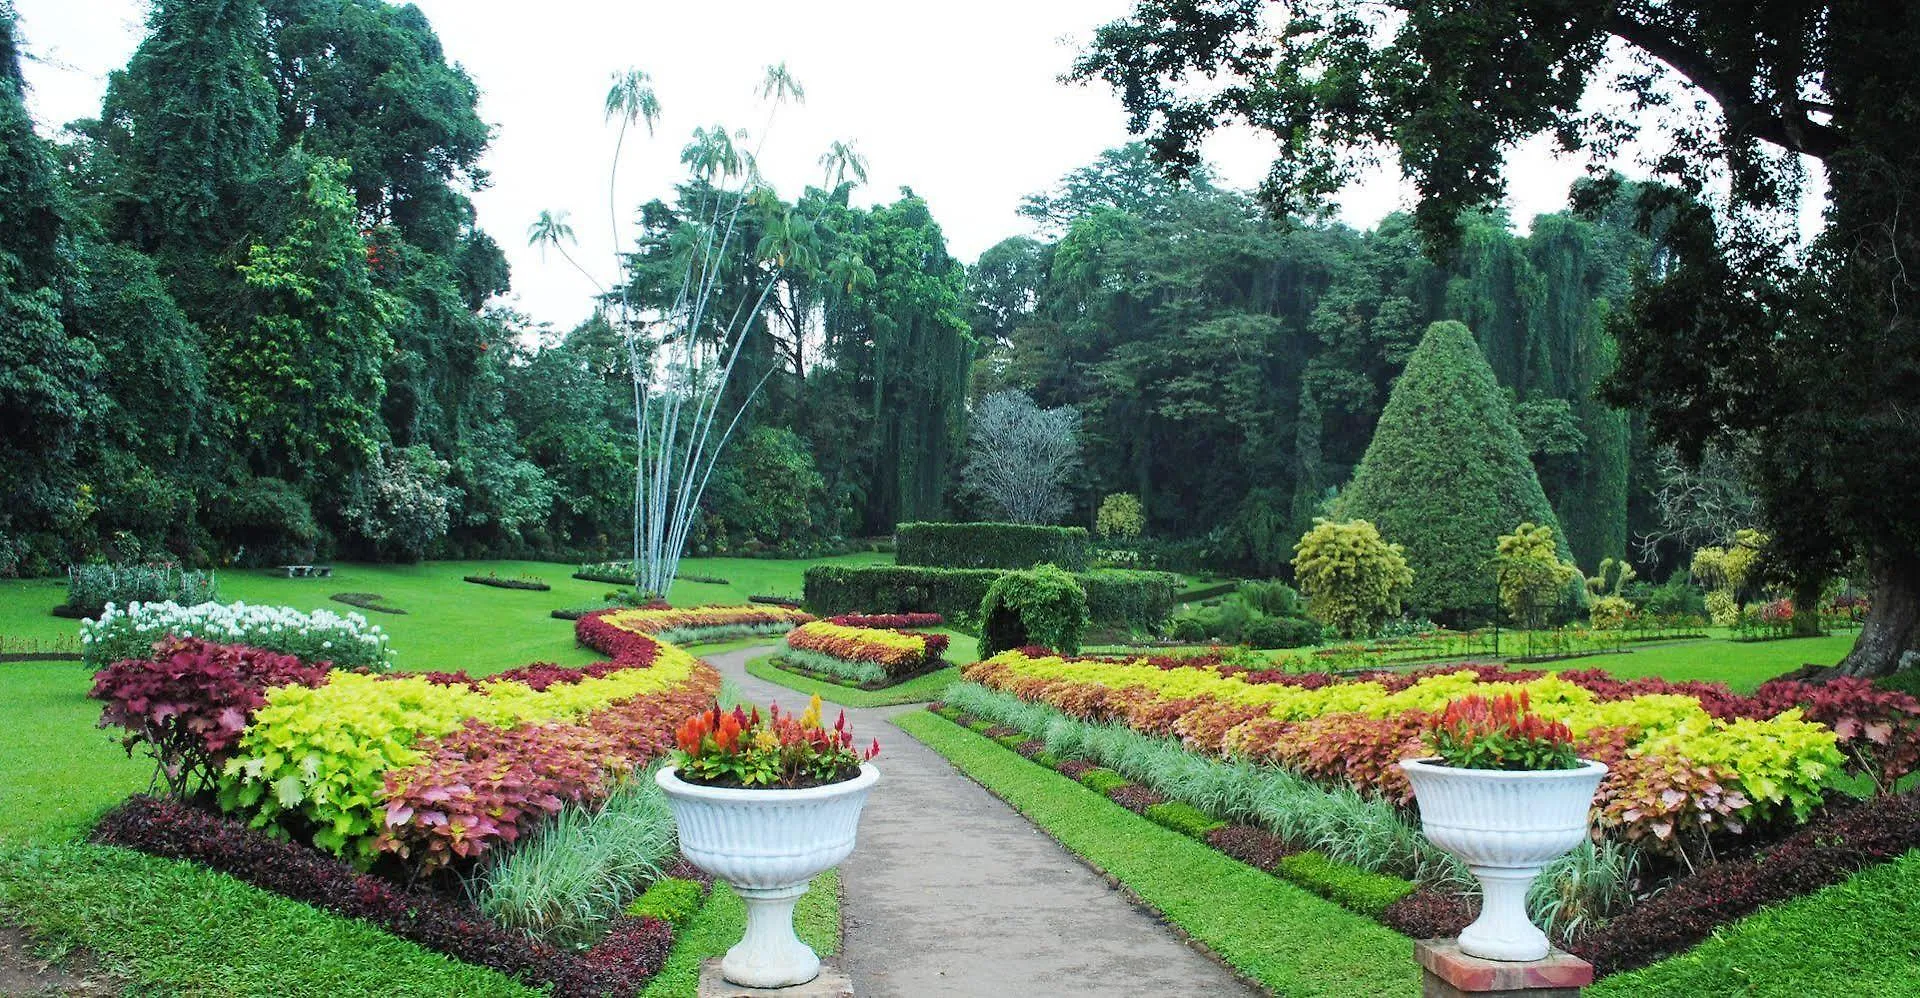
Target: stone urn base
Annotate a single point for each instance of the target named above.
(768, 844)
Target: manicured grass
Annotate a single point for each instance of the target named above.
(449, 623)
(917, 690)
(1743, 665)
(718, 925)
(1290, 941)
(61, 770)
(1860, 937)
(178, 929)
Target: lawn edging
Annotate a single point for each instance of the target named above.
(1273, 933)
(919, 689)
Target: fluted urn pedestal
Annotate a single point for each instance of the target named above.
(768, 844)
(1506, 826)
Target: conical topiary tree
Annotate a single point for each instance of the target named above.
(1447, 473)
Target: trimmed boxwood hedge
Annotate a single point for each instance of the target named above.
(990, 545)
(1115, 597)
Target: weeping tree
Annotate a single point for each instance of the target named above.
(683, 348)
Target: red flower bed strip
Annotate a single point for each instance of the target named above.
(888, 621)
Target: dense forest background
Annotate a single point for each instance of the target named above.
(246, 316)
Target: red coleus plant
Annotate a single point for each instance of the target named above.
(1879, 730)
(189, 704)
(741, 749)
(1477, 732)
(889, 621)
(482, 786)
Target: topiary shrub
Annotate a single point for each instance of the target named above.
(1352, 577)
(1043, 606)
(1447, 473)
(1532, 577)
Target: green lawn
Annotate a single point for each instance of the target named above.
(449, 623)
(173, 928)
(1858, 938)
(1742, 665)
(1292, 942)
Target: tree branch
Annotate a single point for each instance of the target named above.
(1745, 116)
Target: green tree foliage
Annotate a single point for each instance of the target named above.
(1038, 606)
(1530, 573)
(304, 372)
(1353, 579)
(1447, 473)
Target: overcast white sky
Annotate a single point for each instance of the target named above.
(960, 102)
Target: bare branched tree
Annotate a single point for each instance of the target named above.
(1699, 505)
(1020, 456)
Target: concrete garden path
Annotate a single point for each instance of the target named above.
(952, 892)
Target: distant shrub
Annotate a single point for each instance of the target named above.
(1352, 577)
(91, 587)
(1120, 517)
(1043, 606)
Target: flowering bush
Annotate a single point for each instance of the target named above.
(892, 621)
(1500, 732)
(738, 749)
(189, 703)
(691, 625)
(347, 641)
(863, 654)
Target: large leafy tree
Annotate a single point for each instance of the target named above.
(1814, 356)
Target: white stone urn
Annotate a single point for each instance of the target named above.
(1506, 825)
(768, 844)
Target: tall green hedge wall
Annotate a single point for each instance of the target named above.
(991, 545)
(1115, 597)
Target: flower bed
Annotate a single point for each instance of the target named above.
(346, 640)
(1278, 818)
(1689, 759)
(863, 655)
(426, 774)
(461, 765)
(891, 621)
(694, 625)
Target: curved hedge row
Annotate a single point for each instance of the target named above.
(990, 545)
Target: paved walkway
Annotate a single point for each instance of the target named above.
(952, 892)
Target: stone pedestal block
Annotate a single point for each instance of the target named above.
(1449, 973)
(832, 983)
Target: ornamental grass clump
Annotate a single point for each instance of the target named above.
(1500, 732)
(777, 751)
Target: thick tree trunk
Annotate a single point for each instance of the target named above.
(1890, 631)
(1806, 606)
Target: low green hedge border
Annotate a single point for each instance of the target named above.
(1352, 888)
(990, 545)
(1115, 597)
(1183, 818)
(1288, 940)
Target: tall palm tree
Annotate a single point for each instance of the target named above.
(631, 101)
(840, 161)
(552, 229)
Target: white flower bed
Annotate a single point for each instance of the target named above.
(347, 641)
